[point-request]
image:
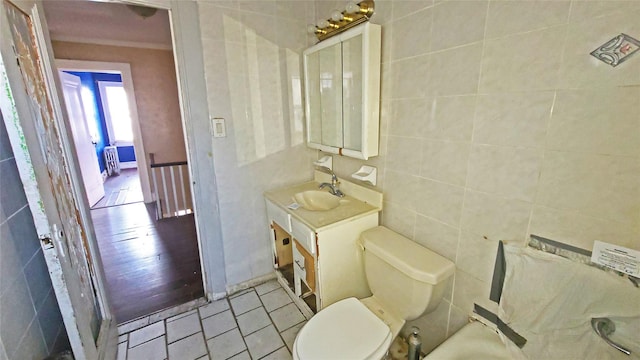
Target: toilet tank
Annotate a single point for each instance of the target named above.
(404, 277)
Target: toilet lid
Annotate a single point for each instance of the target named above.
(344, 330)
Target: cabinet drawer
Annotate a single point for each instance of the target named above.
(304, 235)
(279, 216)
(304, 265)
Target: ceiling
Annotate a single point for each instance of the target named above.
(106, 23)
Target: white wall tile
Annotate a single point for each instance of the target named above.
(581, 230)
(440, 201)
(437, 236)
(495, 217)
(409, 78)
(602, 186)
(401, 188)
(476, 255)
(398, 219)
(506, 171)
(403, 8)
(467, 290)
(455, 71)
(530, 62)
(445, 161)
(510, 17)
(596, 121)
(451, 118)
(458, 23)
(410, 117)
(411, 35)
(433, 327)
(513, 119)
(403, 154)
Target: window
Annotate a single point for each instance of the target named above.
(116, 113)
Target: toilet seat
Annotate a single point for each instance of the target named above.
(344, 330)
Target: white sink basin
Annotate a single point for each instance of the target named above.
(316, 200)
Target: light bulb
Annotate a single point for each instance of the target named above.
(352, 8)
(311, 29)
(336, 15)
(322, 24)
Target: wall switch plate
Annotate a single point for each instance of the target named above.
(218, 127)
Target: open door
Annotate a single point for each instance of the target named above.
(43, 151)
(85, 149)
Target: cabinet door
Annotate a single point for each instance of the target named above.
(330, 68)
(342, 93)
(352, 92)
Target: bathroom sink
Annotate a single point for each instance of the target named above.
(316, 200)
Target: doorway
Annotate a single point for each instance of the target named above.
(102, 128)
(149, 264)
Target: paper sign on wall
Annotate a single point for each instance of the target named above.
(616, 257)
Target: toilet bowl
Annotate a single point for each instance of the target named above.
(406, 280)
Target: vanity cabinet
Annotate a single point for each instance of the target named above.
(342, 93)
(320, 267)
(316, 254)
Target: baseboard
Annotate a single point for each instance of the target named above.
(232, 289)
(128, 165)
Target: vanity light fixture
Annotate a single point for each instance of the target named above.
(353, 15)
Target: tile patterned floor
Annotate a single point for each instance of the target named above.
(257, 323)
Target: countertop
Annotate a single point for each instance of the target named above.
(349, 209)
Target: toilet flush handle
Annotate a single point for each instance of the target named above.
(605, 327)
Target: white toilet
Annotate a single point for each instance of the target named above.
(406, 279)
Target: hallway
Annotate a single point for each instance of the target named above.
(121, 189)
(149, 265)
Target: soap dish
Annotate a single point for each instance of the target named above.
(366, 174)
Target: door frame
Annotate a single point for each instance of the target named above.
(189, 62)
(124, 69)
(31, 159)
(194, 111)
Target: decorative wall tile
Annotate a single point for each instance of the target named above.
(617, 50)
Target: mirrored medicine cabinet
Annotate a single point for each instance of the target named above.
(342, 93)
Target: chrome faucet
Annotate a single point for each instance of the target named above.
(333, 187)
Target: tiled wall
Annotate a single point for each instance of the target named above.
(30, 322)
(252, 57)
(497, 123)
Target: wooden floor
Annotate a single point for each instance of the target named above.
(121, 189)
(149, 265)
